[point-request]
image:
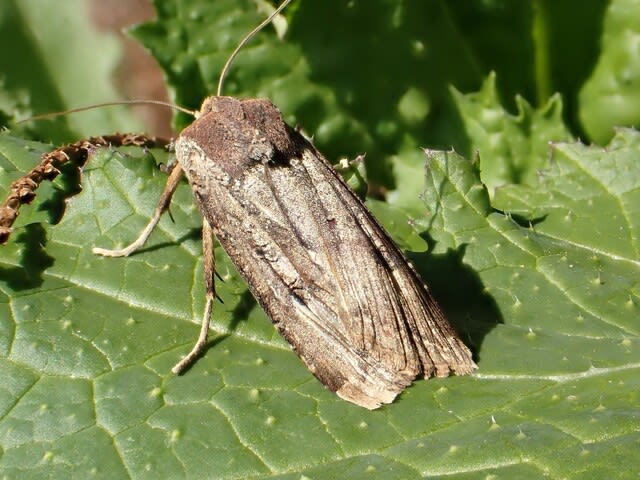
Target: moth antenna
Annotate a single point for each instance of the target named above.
(244, 41)
(109, 104)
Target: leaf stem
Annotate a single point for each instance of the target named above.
(540, 36)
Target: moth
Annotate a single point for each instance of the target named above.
(330, 278)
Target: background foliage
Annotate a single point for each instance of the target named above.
(532, 240)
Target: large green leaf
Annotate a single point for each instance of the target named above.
(88, 341)
(540, 277)
(610, 97)
(513, 147)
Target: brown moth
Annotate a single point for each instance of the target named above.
(327, 274)
(333, 282)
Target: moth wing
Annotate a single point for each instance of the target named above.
(375, 321)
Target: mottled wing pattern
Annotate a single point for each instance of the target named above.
(330, 278)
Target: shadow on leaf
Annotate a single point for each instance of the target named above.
(460, 292)
(33, 262)
(192, 234)
(245, 304)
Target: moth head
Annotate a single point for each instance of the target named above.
(228, 106)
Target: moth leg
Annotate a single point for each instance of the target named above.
(163, 205)
(209, 280)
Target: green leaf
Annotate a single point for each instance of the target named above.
(376, 81)
(540, 277)
(557, 376)
(588, 196)
(512, 148)
(611, 95)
